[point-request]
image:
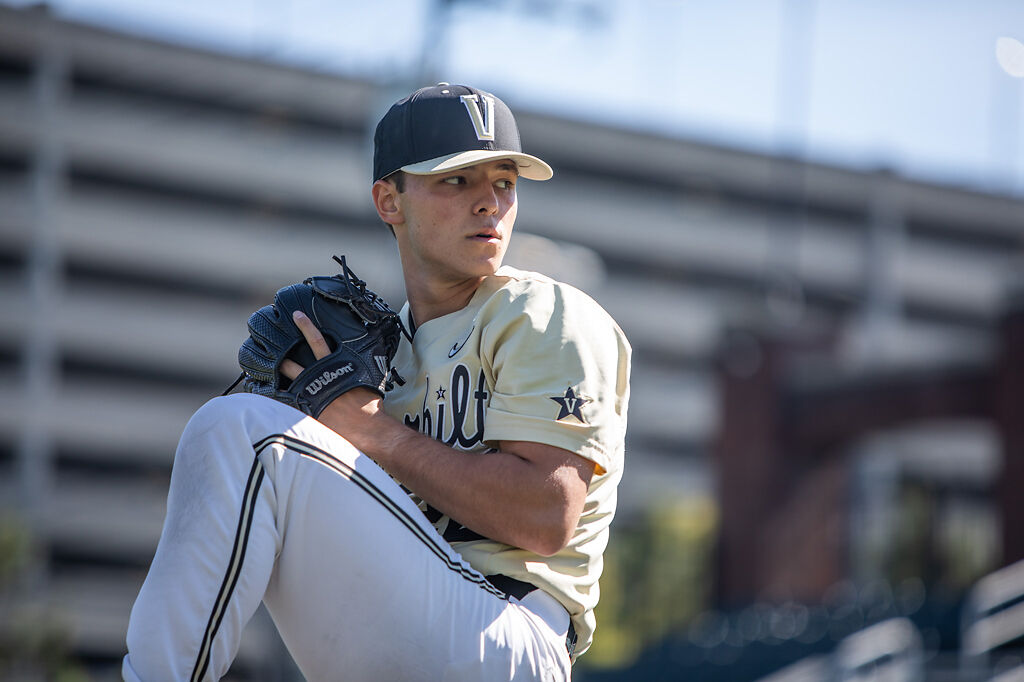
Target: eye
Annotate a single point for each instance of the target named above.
(454, 180)
(505, 184)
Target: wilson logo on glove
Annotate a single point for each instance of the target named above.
(327, 377)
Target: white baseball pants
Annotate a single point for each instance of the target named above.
(268, 504)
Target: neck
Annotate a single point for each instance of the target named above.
(430, 302)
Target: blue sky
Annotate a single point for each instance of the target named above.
(913, 85)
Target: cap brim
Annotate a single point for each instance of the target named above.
(530, 167)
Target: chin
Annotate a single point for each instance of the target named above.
(493, 266)
(490, 265)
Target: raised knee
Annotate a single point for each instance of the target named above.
(224, 430)
(239, 410)
(220, 410)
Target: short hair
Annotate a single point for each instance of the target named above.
(397, 179)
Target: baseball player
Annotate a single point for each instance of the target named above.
(454, 529)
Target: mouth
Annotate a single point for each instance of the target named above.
(486, 235)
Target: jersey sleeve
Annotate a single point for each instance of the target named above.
(559, 368)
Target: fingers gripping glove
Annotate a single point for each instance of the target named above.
(360, 328)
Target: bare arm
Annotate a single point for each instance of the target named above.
(527, 494)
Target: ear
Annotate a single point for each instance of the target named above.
(387, 203)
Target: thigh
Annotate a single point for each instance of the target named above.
(364, 588)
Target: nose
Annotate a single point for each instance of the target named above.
(487, 201)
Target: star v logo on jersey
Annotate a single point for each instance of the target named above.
(570, 405)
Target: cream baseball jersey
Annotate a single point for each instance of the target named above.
(529, 359)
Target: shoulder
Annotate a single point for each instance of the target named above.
(524, 289)
(520, 298)
(520, 281)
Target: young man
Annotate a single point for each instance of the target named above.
(453, 530)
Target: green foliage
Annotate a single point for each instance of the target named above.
(33, 643)
(657, 577)
(940, 539)
(37, 648)
(14, 549)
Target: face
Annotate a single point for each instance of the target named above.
(455, 226)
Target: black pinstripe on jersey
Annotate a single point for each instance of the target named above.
(256, 474)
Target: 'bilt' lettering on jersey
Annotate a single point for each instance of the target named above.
(327, 377)
(467, 410)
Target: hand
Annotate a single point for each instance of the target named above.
(316, 341)
(348, 412)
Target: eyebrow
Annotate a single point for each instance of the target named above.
(509, 166)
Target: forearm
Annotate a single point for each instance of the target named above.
(500, 495)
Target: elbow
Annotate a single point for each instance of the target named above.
(553, 514)
(553, 538)
(552, 548)
(558, 524)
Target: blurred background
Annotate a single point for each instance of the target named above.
(808, 216)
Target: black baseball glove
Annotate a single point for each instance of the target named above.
(360, 328)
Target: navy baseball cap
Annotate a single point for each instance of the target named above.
(446, 127)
